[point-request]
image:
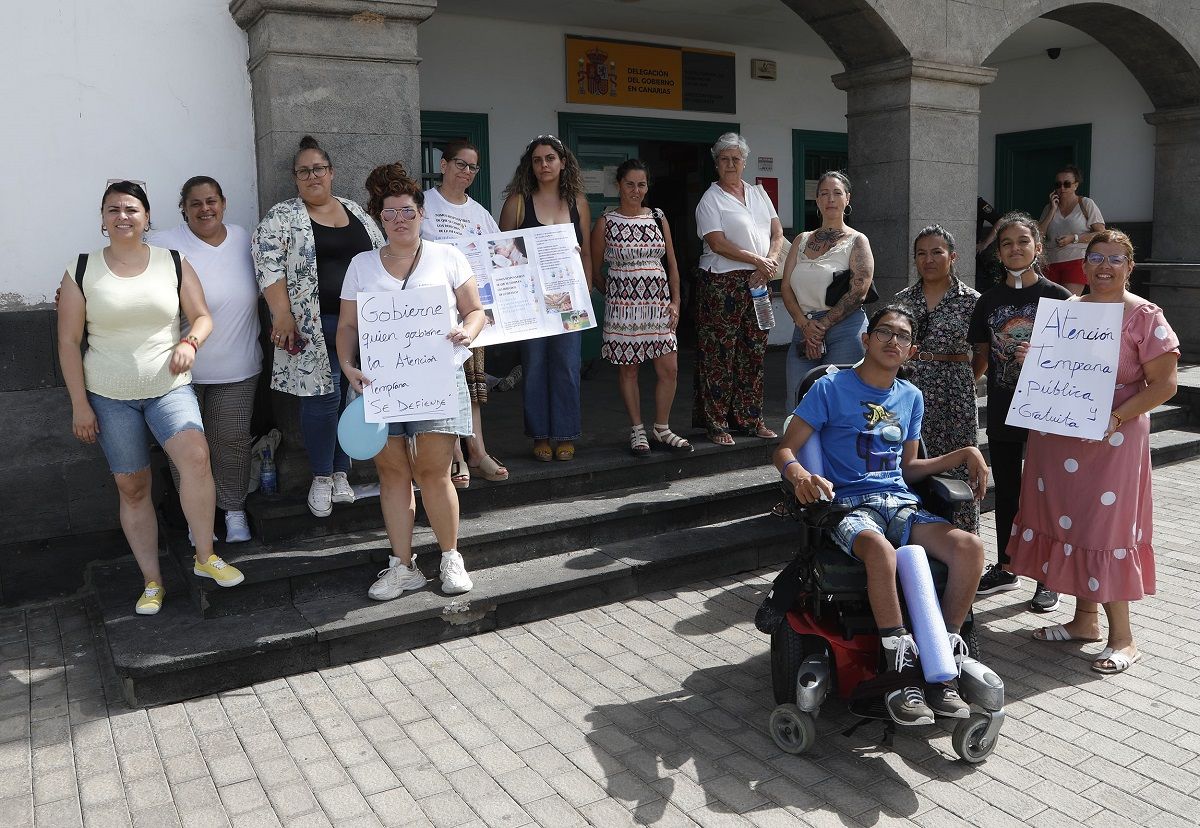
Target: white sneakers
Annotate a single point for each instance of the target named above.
(320, 496)
(455, 579)
(326, 491)
(395, 579)
(237, 529)
(342, 492)
(398, 578)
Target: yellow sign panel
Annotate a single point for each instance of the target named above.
(624, 74)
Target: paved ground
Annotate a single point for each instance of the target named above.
(647, 712)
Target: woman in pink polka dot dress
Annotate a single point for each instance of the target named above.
(1085, 525)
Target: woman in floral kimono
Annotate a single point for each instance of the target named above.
(302, 248)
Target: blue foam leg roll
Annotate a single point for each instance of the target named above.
(925, 614)
(810, 455)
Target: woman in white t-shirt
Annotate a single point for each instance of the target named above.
(1068, 223)
(742, 239)
(225, 376)
(451, 214)
(408, 261)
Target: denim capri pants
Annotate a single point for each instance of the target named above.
(459, 425)
(126, 426)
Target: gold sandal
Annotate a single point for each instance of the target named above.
(491, 469)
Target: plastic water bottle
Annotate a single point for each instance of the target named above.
(762, 307)
(268, 482)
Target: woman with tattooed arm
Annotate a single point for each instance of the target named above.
(826, 334)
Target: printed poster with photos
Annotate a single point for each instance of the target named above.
(531, 283)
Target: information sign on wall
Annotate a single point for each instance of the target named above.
(621, 73)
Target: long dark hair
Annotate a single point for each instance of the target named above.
(570, 182)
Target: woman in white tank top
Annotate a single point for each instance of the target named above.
(826, 335)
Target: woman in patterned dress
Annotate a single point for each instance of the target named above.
(1086, 520)
(641, 305)
(942, 306)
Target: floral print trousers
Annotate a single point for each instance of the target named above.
(729, 354)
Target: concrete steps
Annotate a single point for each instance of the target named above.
(177, 654)
(573, 536)
(557, 537)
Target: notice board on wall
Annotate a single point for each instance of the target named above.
(624, 73)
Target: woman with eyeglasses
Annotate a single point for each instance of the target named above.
(1085, 525)
(547, 188)
(451, 214)
(1069, 222)
(301, 249)
(941, 306)
(742, 238)
(420, 450)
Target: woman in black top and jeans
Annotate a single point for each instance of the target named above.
(316, 228)
(547, 188)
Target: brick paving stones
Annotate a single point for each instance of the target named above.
(649, 711)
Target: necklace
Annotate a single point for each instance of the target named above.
(121, 261)
(387, 255)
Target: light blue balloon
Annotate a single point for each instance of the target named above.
(358, 438)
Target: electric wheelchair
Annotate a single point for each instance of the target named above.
(824, 639)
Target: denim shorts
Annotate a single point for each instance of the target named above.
(126, 426)
(459, 425)
(891, 515)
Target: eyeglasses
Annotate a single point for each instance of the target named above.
(315, 171)
(463, 165)
(390, 213)
(730, 159)
(1063, 185)
(1116, 259)
(886, 335)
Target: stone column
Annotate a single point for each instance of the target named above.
(914, 154)
(343, 71)
(1177, 217)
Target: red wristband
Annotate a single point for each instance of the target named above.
(195, 350)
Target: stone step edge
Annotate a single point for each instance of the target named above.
(718, 549)
(608, 465)
(475, 530)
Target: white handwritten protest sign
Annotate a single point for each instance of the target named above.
(1067, 380)
(404, 351)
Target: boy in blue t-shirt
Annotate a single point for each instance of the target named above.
(869, 424)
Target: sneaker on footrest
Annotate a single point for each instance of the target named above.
(907, 705)
(996, 579)
(943, 700)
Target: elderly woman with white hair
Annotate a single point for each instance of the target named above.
(742, 239)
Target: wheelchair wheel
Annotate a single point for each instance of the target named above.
(793, 730)
(787, 652)
(971, 636)
(968, 741)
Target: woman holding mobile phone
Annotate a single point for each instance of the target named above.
(1069, 222)
(302, 248)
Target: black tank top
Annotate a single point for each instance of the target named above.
(531, 219)
(335, 247)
